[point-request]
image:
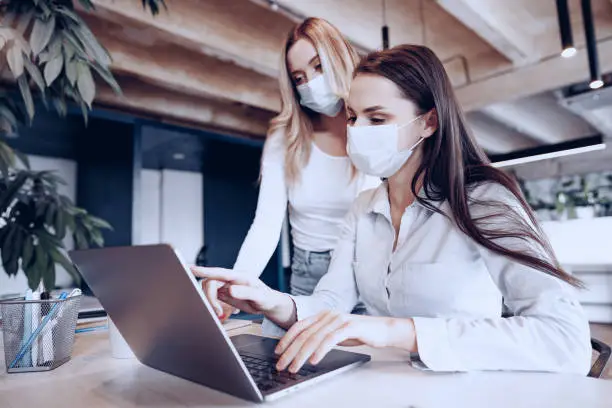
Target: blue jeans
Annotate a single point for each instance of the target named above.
(307, 268)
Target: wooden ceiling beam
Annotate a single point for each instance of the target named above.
(238, 31)
(491, 27)
(496, 138)
(171, 67)
(143, 99)
(521, 82)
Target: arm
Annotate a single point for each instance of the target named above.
(262, 238)
(549, 331)
(337, 289)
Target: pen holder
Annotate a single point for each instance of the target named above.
(38, 334)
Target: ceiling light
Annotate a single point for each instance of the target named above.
(273, 5)
(569, 52)
(565, 29)
(546, 152)
(178, 156)
(591, 43)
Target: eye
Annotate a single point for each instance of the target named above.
(351, 120)
(377, 121)
(319, 68)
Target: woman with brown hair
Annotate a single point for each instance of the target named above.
(432, 251)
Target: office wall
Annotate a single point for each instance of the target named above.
(581, 241)
(67, 170)
(231, 172)
(172, 210)
(109, 158)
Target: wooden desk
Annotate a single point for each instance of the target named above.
(94, 379)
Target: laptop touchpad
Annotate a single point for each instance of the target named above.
(251, 344)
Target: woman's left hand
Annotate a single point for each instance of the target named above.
(311, 339)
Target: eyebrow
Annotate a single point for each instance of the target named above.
(313, 59)
(309, 63)
(373, 109)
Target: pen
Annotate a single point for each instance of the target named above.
(36, 332)
(90, 329)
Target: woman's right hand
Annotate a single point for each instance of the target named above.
(222, 309)
(246, 293)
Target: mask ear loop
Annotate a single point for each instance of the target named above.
(409, 123)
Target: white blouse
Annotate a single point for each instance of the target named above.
(452, 288)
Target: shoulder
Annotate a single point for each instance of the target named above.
(274, 147)
(365, 200)
(369, 182)
(494, 200)
(491, 191)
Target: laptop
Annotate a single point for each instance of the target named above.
(161, 311)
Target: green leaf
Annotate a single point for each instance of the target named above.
(60, 224)
(7, 159)
(3, 232)
(7, 196)
(94, 49)
(96, 237)
(53, 69)
(154, 5)
(14, 57)
(61, 259)
(72, 71)
(49, 275)
(50, 214)
(55, 47)
(41, 34)
(44, 56)
(9, 245)
(99, 223)
(80, 239)
(70, 222)
(28, 251)
(69, 51)
(86, 84)
(41, 208)
(72, 40)
(60, 106)
(68, 13)
(12, 265)
(85, 113)
(87, 4)
(23, 158)
(108, 77)
(35, 74)
(37, 267)
(9, 115)
(26, 93)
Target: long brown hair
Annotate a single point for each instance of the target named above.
(339, 59)
(453, 163)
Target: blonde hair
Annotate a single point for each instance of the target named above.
(338, 59)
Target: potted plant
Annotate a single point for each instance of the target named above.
(47, 46)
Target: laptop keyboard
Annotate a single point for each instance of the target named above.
(266, 376)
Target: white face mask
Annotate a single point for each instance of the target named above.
(374, 149)
(318, 96)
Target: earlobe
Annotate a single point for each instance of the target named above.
(431, 123)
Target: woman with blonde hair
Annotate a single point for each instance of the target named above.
(305, 166)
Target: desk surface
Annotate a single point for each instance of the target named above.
(94, 379)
